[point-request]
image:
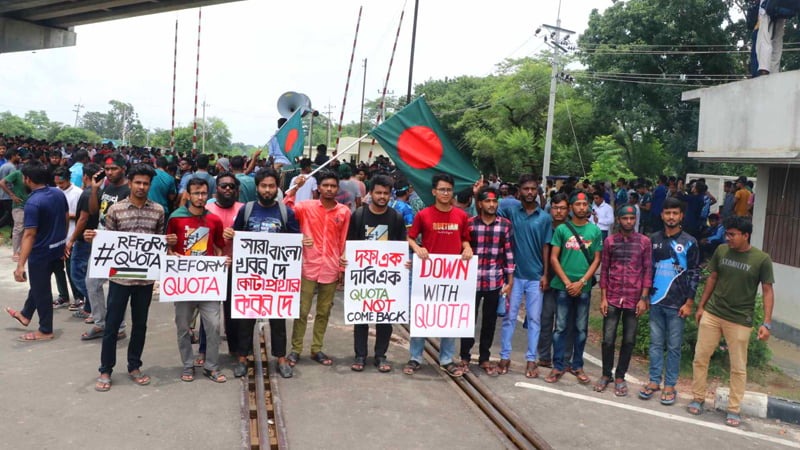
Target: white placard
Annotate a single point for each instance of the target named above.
(376, 282)
(443, 296)
(266, 275)
(193, 278)
(121, 255)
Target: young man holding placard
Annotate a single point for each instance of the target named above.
(135, 214)
(196, 230)
(375, 222)
(444, 230)
(264, 216)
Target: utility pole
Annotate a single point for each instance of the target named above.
(203, 148)
(77, 110)
(361, 119)
(328, 113)
(555, 44)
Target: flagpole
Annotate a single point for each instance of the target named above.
(336, 156)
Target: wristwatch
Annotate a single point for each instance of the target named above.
(645, 298)
(766, 325)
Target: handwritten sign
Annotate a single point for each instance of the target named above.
(266, 275)
(193, 278)
(376, 282)
(443, 296)
(123, 255)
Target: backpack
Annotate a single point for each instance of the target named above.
(248, 209)
(781, 9)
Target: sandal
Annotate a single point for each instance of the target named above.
(733, 420)
(200, 361)
(554, 376)
(580, 375)
(668, 395)
(464, 365)
(139, 378)
(502, 366)
(322, 358)
(215, 376)
(382, 364)
(102, 384)
(81, 314)
(17, 316)
(89, 320)
(358, 364)
(188, 374)
(545, 363)
(620, 388)
(454, 370)
(648, 391)
(292, 358)
(94, 333)
(489, 368)
(602, 384)
(532, 370)
(37, 336)
(695, 408)
(411, 367)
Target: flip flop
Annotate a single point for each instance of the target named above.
(489, 368)
(602, 384)
(139, 378)
(648, 391)
(411, 367)
(94, 333)
(531, 370)
(733, 420)
(102, 385)
(32, 337)
(502, 366)
(13, 313)
(322, 358)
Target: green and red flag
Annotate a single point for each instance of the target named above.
(420, 148)
(287, 144)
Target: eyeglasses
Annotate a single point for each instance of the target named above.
(444, 190)
(198, 194)
(227, 185)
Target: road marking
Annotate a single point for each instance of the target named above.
(595, 361)
(718, 427)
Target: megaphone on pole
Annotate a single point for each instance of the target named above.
(290, 102)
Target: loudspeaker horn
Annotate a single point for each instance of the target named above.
(291, 101)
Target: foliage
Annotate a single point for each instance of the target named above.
(217, 137)
(119, 122)
(75, 135)
(610, 162)
(11, 125)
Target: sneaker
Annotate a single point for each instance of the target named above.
(60, 302)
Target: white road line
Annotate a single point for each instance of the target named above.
(662, 415)
(595, 361)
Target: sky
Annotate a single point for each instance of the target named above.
(253, 51)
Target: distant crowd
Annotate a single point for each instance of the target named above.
(540, 247)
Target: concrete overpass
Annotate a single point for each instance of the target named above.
(27, 25)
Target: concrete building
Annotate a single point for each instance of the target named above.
(757, 121)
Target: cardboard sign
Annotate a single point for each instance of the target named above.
(376, 282)
(443, 296)
(123, 255)
(266, 275)
(193, 278)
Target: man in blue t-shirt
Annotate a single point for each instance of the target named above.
(42, 246)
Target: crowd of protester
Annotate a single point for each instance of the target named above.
(540, 246)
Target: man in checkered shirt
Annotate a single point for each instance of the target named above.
(491, 238)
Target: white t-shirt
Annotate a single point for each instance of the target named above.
(73, 193)
(306, 191)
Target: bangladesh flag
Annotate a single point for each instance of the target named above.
(420, 148)
(289, 139)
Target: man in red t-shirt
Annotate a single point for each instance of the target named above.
(445, 230)
(199, 234)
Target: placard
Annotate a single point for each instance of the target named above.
(376, 282)
(121, 255)
(266, 275)
(193, 278)
(443, 296)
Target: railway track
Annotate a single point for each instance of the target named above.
(506, 421)
(261, 404)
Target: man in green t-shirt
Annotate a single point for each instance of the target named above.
(574, 262)
(727, 309)
(13, 185)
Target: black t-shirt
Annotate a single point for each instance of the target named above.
(83, 205)
(108, 196)
(366, 226)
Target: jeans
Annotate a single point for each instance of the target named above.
(118, 296)
(566, 306)
(533, 315)
(488, 325)
(325, 295)
(737, 336)
(666, 329)
(447, 349)
(545, 347)
(79, 260)
(40, 297)
(209, 311)
(231, 325)
(629, 326)
(61, 282)
(383, 333)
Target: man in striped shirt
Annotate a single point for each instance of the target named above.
(491, 239)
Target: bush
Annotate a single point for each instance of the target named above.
(758, 353)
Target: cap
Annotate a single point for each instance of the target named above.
(224, 163)
(626, 210)
(578, 195)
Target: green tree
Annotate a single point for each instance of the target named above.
(609, 163)
(120, 122)
(75, 135)
(12, 125)
(40, 123)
